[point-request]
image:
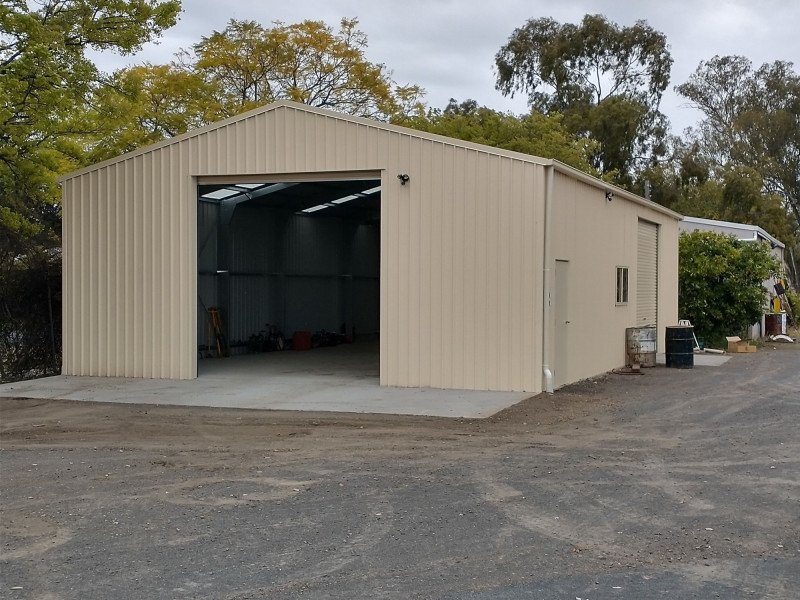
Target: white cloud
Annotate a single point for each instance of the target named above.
(448, 46)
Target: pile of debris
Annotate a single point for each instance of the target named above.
(781, 338)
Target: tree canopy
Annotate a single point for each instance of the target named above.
(250, 65)
(45, 79)
(240, 68)
(751, 118)
(607, 80)
(146, 104)
(534, 133)
(748, 145)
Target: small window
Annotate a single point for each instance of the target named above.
(622, 285)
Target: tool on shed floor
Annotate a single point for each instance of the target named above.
(215, 331)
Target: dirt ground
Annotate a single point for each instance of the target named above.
(671, 484)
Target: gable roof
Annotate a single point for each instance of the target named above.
(374, 124)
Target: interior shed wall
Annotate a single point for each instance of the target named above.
(293, 271)
(207, 279)
(596, 236)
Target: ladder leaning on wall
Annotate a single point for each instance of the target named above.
(216, 337)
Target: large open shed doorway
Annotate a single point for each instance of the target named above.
(288, 263)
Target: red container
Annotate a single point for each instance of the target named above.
(301, 340)
(775, 324)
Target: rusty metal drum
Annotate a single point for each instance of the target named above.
(640, 346)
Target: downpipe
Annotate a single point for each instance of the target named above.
(547, 283)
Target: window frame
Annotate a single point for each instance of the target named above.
(622, 285)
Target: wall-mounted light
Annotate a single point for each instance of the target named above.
(609, 196)
(404, 178)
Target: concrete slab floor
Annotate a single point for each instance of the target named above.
(338, 379)
(700, 359)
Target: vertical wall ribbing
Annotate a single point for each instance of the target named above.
(460, 257)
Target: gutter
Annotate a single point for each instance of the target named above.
(547, 281)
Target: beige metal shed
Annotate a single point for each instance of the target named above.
(494, 270)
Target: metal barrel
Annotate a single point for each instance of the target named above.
(773, 324)
(640, 346)
(680, 347)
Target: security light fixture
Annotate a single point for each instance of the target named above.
(609, 195)
(403, 177)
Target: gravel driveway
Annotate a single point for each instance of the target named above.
(672, 484)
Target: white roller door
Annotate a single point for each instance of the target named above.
(647, 275)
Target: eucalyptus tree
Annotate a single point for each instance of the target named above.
(607, 80)
(751, 118)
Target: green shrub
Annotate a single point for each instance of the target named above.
(719, 283)
(30, 317)
(794, 303)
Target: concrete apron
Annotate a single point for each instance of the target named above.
(700, 360)
(341, 379)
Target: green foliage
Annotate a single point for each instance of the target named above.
(238, 69)
(606, 80)
(738, 196)
(535, 133)
(794, 304)
(719, 283)
(30, 316)
(146, 104)
(752, 119)
(45, 79)
(690, 184)
(250, 65)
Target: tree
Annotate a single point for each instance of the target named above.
(719, 283)
(607, 80)
(737, 195)
(240, 68)
(45, 78)
(752, 122)
(145, 104)
(770, 128)
(535, 133)
(752, 119)
(307, 62)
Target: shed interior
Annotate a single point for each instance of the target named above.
(279, 258)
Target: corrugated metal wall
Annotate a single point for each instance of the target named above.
(130, 268)
(460, 268)
(459, 255)
(647, 274)
(596, 236)
(460, 249)
(207, 278)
